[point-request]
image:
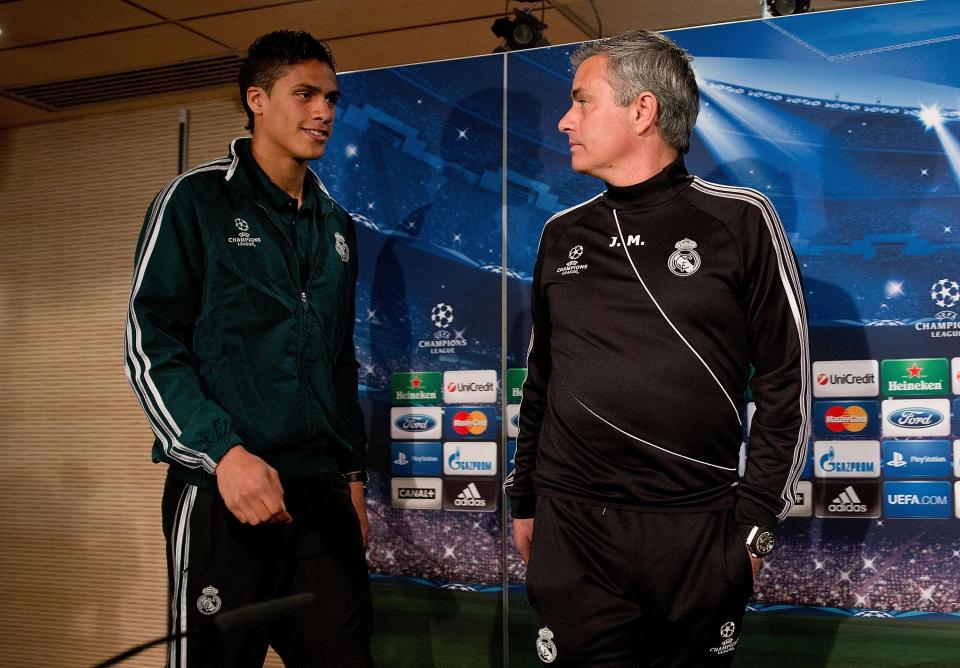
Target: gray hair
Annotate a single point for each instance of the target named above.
(643, 60)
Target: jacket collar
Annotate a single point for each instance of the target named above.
(246, 176)
(658, 188)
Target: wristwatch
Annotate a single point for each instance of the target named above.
(759, 539)
(356, 476)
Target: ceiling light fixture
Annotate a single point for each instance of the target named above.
(524, 31)
(785, 7)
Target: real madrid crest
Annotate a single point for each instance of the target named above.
(342, 248)
(209, 601)
(684, 261)
(546, 649)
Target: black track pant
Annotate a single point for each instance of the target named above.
(216, 564)
(625, 588)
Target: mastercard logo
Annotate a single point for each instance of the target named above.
(472, 422)
(849, 418)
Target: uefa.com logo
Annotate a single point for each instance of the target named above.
(945, 294)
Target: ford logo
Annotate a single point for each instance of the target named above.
(415, 422)
(515, 420)
(915, 418)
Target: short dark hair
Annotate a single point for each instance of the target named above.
(271, 54)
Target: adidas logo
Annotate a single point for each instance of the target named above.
(470, 496)
(847, 502)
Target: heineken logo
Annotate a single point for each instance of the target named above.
(416, 387)
(926, 376)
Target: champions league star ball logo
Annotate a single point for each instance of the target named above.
(728, 644)
(575, 253)
(684, 261)
(945, 293)
(442, 315)
(445, 338)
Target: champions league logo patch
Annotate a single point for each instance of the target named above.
(728, 644)
(684, 261)
(342, 248)
(243, 238)
(573, 266)
(546, 649)
(209, 601)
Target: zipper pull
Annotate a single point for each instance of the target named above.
(303, 298)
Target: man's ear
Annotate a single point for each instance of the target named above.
(256, 97)
(645, 108)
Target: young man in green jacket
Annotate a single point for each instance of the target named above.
(239, 347)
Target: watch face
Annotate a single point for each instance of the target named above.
(764, 543)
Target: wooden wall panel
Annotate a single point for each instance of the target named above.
(82, 569)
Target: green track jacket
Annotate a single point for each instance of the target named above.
(230, 340)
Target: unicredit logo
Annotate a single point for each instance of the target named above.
(415, 422)
(845, 379)
(915, 418)
(469, 387)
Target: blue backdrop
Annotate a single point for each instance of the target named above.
(846, 120)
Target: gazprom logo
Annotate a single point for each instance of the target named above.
(915, 418)
(477, 458)
(847, 459)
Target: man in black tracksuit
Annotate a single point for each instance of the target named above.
(650, 303)
(239, 347)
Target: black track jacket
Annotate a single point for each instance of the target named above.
(650, 303)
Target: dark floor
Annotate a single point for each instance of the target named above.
(424, 627)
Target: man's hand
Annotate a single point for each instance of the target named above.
(522, 537)
(360, 505)
(756, 563)
(250, 488)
